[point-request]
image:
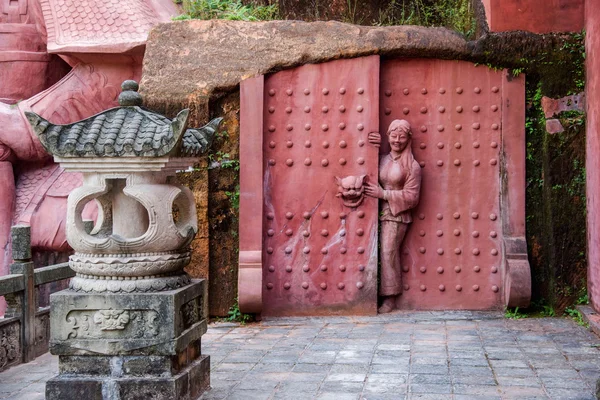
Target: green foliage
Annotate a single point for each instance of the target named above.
(235, 315)
(577, 316)
(232, 10)
(575, 50)
(537, 309)
(234, 198)
(583, 299)
(453, 14)
(224, 160)
(514, 313)
(547, 311)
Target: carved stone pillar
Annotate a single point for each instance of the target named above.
(130, 324)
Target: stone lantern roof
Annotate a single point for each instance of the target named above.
(126, 131)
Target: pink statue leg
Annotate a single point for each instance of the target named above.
(391, 235)
(7, 202)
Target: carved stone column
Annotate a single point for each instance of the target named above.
(130, 324)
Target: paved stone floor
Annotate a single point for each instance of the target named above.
(426, 355)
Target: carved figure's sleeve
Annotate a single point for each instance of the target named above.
(408, 197)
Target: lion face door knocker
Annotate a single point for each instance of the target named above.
(351, 190)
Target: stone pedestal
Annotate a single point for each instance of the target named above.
(129, 345)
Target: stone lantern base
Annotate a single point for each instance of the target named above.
(129, 345)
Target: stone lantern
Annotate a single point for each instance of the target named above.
(130, 324)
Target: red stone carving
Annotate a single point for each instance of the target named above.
(251, 195)
(466, 247)
(110, 26)
(400, 177)
(351, 190)
(30, 75)
(452, 254)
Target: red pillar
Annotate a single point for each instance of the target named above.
(7, 202)
(592, 165)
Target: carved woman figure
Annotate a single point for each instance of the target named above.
(398, 188)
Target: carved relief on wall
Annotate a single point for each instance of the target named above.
(103, 26)
(351, 190)
(122, 324)
(398, 190)
(111, 320)
(190, 313)
(10, 349)
(85, 91)
(467, 143)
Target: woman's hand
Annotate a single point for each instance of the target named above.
(373, 190)
(374, 138)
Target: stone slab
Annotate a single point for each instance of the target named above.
(190, 383)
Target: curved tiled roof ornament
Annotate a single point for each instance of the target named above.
(126, 131)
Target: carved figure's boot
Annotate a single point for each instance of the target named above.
(388, 305)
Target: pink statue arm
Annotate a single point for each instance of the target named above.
(408, 197)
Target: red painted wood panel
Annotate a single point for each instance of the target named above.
(319, 256)
(452, 254)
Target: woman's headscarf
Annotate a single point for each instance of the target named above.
(400, 123)
(406, 157)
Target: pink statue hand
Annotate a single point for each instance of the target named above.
(374, 138)
(373, 190)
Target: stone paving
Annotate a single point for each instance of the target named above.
(425, 355)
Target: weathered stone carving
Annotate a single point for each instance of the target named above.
(135, 239)
(110, 320)
(90, 283)
(130, 295)
(9, 344)
(99, 324)
(190, 313)
(400, 179)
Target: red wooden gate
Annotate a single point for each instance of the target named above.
(319, 256)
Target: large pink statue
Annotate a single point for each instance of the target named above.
(102, 44)
(400, 179)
